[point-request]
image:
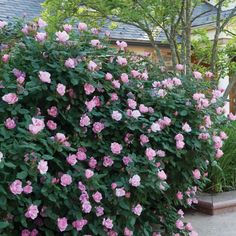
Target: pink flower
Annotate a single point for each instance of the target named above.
(116, 115)
(108, 76)
(44, 76)
(92, 163)
(2, 24)
(95, 43)
(86, 207)
(89, 173)
(143, 139)
(72, 159)
(42, 167)
(179, 195)
(107, 161)
(61, 89)
(79, 224)
(209, 74)
(32, 212)
(155, 127)
(132, 103)
(41, 23)
(82, 26)
(135, 73)
(180, 145)
(10, 123)
(231, 116)
(180, 67)
(160, 153)
(120, 192)
(16, 187)
(196, 174)
(84, 121)
(51, 125)
(126, 160)
(197, 75)
(97, 197)
(62, 37)
(36, 126)
(137, 210)
(59, 137)
(189, 227)
(70, 63)
(179, 137)
(40, 36)
(121, 44)
(108, 223)
(52, 111)
(67, 27)
(143, 108)
(28, 188)
(25, 30)
(179, 224)
(135, 114)
(88, 88)
(162, 175)
(150, 153)
(116, 84)
(135, 180)
(5, 58)
(10, 98)
(124, 78)
(25, 232)
(92, 66)
(186, 128)
(219, 153)
(128, 232)
(98, 127)
(66, 180)
(62, 223)
(122, 61)
(116, 148)
(81, 155)
(223, 135)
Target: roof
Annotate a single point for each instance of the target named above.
(31, 9)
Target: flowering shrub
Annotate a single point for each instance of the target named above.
(97, 141)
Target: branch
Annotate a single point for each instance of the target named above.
(203, 13)
(228, 18)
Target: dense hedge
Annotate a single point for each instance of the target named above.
(98, 141)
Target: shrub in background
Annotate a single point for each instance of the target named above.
(98, 141)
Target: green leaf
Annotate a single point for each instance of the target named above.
(22, 175)
(4, 224)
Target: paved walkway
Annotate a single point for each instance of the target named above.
(217, 225)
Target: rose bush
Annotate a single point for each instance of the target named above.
(98, 141)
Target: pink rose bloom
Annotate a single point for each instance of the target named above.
(108, 76)
(179, 67)
(116, 148)
(62, 37)
(107, 161)
(79, 224)
(219, 153)
(162, 175)
(143, 108)
(231, 116)
(143, 139)
(116, 84)
(180, 145)
(150, 153)
(28, 189)
(52, 111)
(84, 121)
(186, 128)
(197, 75)
(179, 224)
(42, 167)
(88, 88)
(95, 43)
(81, 155)
(196, 174)
(181, 213)
(66, 180)
(161, 153)
(189, 227)
(108, 223)
(98, 127)
(193, 233)
(70, 63)
(32, 212)
(25, 232)
(62, 224)
(89, 173)
(92, 163)
(36, 126)
(177, 82)
(209, 74)
(179, 195)
(116, 115)
(16, 187)
(219, 110)
(44, 76)
(113, 186)
(92, 66)
(155, 127)
(132, 103)
(114, 97)
(51, 125)
(137, 210)
(82, 26)
(5, 58)
(61, 89)
(135, 114)
(10, 123)
(86, 207)
(198, 96)
(223, 135)
(10, 98)
(2, 24)
(161, 93)
(71, 159)
(120, 192)
(122, 61)
(99, 211)
(59, 137)
(97, 197)
(126, 160)
(25, 30)
(124, 78)
(128, 232)
(40, 36)
(41, 23)
(135, 73)
(179, 137)
(135, 180)
(67, 27)
(20, 80)
(122, 45)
